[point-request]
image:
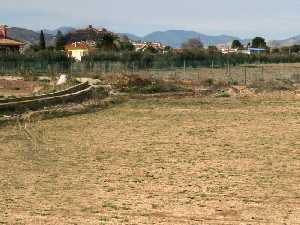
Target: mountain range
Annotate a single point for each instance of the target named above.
(173, 38)
(27, 36)
(286, 42)
(31, 37)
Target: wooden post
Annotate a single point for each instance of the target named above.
(184, 67)
(133, 68)
(245, 76)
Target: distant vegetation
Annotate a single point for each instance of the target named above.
(35, 62)
(111, 49)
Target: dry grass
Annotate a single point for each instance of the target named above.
(235, 74)
(166, 161)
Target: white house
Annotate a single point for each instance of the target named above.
(78, 49)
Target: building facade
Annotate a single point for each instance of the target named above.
(7, 45)
(77, 50)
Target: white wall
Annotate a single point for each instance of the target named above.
(78, 53)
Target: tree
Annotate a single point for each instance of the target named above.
(275, 50)
(124, 38)
(212, 50)
(236, 44)
(150, 49)
(295, 48)
(109, 42)
(192, 43)
(259, 42)
(168, 49)
(60, 41)
(126, 46)
(42, 43)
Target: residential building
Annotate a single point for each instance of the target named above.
(229, 50)
(77, 50)
(247, 51)
(139, 46)
(8, 45)
(256, 50)
(142, 46)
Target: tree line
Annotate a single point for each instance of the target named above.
(111, 48)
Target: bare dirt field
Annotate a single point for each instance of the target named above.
(17, 87)
(156, 161)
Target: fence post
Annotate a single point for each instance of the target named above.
(245, 76)
(184, 67)
(133, 68)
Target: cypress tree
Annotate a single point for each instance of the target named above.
(42, 43)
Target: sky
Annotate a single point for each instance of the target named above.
(272, 19)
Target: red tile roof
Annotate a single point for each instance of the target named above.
(77, 46)
(10, 42)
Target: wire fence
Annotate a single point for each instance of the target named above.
(240, 74)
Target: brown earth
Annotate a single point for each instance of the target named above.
(157, 161)
(18, 88)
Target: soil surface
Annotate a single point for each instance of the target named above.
(156, 161)
(18, 87)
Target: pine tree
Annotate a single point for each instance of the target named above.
(42, 44)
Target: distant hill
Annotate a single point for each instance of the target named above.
(132, 36)
(64, 30)
(286, 42)
(31, 37)
(175, 38)
(28, 36)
